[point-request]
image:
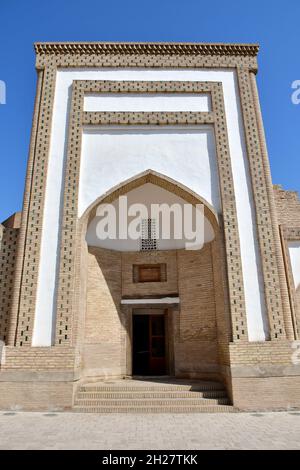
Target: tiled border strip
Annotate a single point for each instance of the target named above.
(146, 55)
(287, 314)
(262, 199)
(291, 234)
(32, 218)
(25, 213)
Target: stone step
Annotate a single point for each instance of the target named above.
(104, 387)
(151, 394)
(156, 409)
(151, 402)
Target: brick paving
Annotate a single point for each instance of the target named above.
(20, 430)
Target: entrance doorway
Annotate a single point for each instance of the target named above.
(149, 344)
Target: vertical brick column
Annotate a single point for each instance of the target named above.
(8, 245)
(32, 219)
(66, 283)
(265, 219)
(230, 220)
(287, 314)
(290, 234)
(12, 330)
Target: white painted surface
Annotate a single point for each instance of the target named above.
(147, 195)
(166, 102)
(2, 353)
(187, 155)
(164, 300)
(251, 265)
(294, 251)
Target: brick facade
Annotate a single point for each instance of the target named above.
(208, 330)
(110, 278)
(288, 210)
(103, 325)
(8, 252)
(197, 342)
(287, 206)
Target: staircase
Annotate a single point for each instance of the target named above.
(152, 396)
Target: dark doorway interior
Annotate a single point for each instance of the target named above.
(149, 344)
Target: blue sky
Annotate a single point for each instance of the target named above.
(273, 24)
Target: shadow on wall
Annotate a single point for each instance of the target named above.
(105, 327)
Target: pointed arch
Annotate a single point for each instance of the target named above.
(158, 179)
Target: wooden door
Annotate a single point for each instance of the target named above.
(149, 344)
(157, 344)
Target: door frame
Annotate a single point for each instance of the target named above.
(169, 334)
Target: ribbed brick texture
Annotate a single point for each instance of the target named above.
(8, 248)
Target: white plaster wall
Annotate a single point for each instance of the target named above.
(111, 155)
(147, 194)
(251, 265)
(167, 102)
(294, 251)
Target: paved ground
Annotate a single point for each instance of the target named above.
(165, 431)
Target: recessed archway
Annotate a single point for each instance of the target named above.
(163, 181)
(175, 224)
(105, 277)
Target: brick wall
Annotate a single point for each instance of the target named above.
(288, 210)
(8, 247)
(39, 359)
(110, 277)
(134, 289)
(261, 353)
(266, 393)
(288, 207)
(268, 370)
(197, 348)
(104, 349)
(35, 395)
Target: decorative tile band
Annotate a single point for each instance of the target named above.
(145, 61)
(32, 241)
(149, 118)
(146, 55)
(265, 228)
(92, 48)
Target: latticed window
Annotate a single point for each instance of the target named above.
(149, 235)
